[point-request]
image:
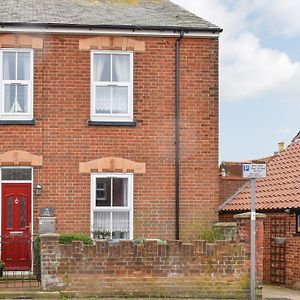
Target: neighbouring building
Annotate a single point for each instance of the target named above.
(108, 118)
(278, 196)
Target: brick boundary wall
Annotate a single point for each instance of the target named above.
(125, 269)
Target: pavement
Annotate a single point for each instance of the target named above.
(269, 293)
(279, 293)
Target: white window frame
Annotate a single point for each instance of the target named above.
(16, 116)
(112, 117)
(128, 208)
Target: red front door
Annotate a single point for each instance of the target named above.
(16, 220)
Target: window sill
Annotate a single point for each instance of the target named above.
(296, 234)
(112, 123)
(17, 122)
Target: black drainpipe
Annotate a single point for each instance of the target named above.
(177, 135)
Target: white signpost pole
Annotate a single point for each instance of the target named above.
(253, 171)
(253, 240)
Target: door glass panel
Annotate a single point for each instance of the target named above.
(10, 212)
(16, 174)
(23, 211)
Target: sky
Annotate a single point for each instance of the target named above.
(259, 73)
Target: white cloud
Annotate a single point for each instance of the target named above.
(247, 69)
(281, 17)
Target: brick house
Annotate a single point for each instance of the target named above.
(278, 197)
(108, 115)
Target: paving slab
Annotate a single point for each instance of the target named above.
(279, 293)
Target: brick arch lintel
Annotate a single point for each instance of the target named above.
(112, 43)
(21, 41)
(20, 158)
(112, 164)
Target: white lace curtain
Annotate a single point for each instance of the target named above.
(112, 99)
(15, 94)
(120, 221)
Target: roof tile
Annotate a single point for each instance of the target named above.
(281, 188)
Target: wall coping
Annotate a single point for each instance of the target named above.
(247, 215)
(225, 224)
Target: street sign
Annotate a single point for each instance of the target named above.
(254, 170)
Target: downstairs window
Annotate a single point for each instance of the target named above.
(112, 206)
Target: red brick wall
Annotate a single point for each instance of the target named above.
(62, 136)
(244, 235)
(292, 252)
(196, 270)
(228, 186)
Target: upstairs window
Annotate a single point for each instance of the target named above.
(16, 84)
(298, 223)
(111, 87)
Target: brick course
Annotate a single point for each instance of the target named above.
(62, 136)
(198, 269)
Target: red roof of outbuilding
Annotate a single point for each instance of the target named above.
(281, 188)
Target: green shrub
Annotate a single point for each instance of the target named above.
(68, 238)
(211, 234)
(142, 240)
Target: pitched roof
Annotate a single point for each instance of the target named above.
(280, 190)
(234, 169)
(139, 14)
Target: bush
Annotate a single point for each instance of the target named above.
(142, 240)
(211, 234)
(68, 238)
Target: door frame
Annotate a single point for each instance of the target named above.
(31, 200)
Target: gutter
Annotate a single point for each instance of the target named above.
(107, 26)
(177, 137)
(116, 30)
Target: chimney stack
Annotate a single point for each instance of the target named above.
(280, 147)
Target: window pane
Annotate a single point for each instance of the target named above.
(298, 223)
(9, 98)
(120, 100)
(101, 66)
(16, 174)
(120, 191)
(23, 66)
(103, 100)
(16, 98)
(120, 222)
(102, 221)
(21, 105)
(9, 65)
(103, 192)
(121, 67)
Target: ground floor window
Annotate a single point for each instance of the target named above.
(112, 206)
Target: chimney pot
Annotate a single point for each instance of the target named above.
(280, 147)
